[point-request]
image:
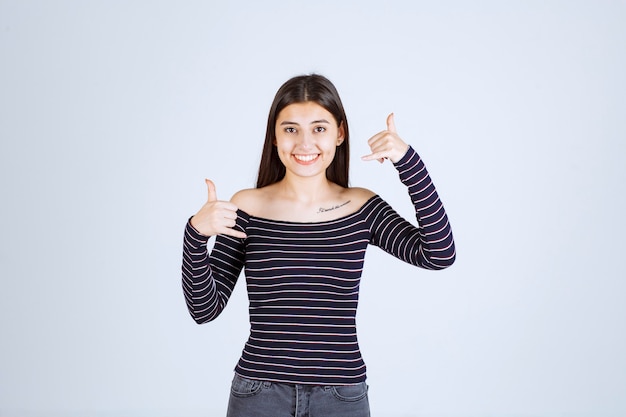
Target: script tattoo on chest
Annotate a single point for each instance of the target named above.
(335, 207)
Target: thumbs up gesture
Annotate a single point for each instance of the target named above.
(216, 217)
(386, 144)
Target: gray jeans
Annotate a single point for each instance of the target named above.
(252, 398)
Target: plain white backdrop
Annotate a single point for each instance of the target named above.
(112, 113)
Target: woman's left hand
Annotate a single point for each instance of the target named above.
(386, 144)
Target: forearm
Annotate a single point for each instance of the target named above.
(199, 286)
(437, 242)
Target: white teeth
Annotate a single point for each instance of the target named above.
(306, 158)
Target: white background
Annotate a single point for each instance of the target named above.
(112, 113)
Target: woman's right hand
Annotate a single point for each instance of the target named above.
(216, 217)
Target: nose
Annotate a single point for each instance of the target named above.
(306, 140)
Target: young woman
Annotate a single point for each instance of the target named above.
(301, 237)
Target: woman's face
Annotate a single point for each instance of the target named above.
(307, 136)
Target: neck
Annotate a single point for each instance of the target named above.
(305, 190)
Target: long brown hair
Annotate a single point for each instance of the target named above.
(301, 89)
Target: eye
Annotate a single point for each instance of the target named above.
(290, 130)
(319, 129)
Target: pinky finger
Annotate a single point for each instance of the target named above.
(373, 157)
(234, 233)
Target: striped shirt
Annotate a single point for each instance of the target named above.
(303, 280)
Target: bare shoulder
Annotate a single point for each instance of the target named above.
(359, 195)
(248, 199)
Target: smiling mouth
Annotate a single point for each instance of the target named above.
(306, 158)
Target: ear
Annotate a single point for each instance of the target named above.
(340, 134)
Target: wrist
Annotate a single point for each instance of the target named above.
(401, 155)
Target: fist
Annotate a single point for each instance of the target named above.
(216, 217)
(386, 144)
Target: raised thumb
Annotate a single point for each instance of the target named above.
(211, 189)
(391, 124)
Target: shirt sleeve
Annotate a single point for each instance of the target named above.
(208, 281)
(430, 245)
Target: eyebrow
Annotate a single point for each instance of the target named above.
(287, 122)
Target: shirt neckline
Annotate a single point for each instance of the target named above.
(291, 222)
